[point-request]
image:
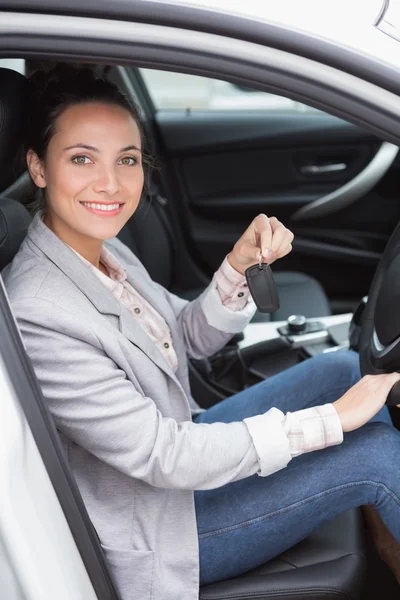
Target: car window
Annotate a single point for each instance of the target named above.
(177, 91)
(15, 64)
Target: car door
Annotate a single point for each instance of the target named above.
(229, 153)
(48, 546)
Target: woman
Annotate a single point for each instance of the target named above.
(178, 496)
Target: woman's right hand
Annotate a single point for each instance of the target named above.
(362, 401)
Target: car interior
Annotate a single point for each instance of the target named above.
(215, 172)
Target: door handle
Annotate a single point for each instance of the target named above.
(354, 189)
(321, 169)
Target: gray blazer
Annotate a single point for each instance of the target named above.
(124, 417)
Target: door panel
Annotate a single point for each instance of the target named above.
(229, 153)
(254, 180)
(230, 167)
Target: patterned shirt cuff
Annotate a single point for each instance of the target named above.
(222, 317)
(232, 287)
(313, 429)
(270, 441)
(278, 438)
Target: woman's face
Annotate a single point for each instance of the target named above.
(92, 172)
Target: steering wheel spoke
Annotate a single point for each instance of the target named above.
(394, 395)
(379, 346)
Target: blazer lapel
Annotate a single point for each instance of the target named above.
(141, 282)
(104, 301)
(145, 286)
(137, 336)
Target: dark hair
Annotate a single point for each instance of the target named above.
(58, 89)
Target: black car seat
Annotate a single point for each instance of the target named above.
(330, 563)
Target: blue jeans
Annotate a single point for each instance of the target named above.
(246, 523)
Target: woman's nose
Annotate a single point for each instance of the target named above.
(107, 181)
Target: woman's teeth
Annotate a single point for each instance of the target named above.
(101, 206)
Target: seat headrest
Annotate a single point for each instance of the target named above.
(14, 103)
(14, 222)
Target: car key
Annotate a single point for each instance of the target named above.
(261, 283)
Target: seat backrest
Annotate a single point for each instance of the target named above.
(14, 223)
(14, 218)
(147, 234)
(14, 100)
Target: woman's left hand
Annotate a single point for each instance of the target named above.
(266, 235)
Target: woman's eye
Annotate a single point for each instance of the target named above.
(128, 161)
(81, 160)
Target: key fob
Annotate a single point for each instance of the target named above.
(261, 283)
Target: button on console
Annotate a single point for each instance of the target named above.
(297, 323)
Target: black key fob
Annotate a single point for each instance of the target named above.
(262, 287)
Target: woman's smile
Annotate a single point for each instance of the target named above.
(103, 209)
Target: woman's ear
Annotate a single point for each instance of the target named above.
(36, 169)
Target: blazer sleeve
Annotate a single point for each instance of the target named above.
(96, 406)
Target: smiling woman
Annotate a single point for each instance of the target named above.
(87, 187)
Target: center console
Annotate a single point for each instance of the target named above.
(321, 334)
(265, 349)
(271, 347)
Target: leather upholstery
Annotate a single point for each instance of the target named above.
(14, 222)
(330, 563)
(146, 236)
(299, 294)
(13, 103)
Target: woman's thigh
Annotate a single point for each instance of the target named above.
(316, 381)
(246, 523)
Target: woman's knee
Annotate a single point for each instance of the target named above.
(383, 439)
(374, 447)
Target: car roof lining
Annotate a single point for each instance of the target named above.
(203, 20)
(257, 78)
(261, 67)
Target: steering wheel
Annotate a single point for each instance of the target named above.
(379, 345)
